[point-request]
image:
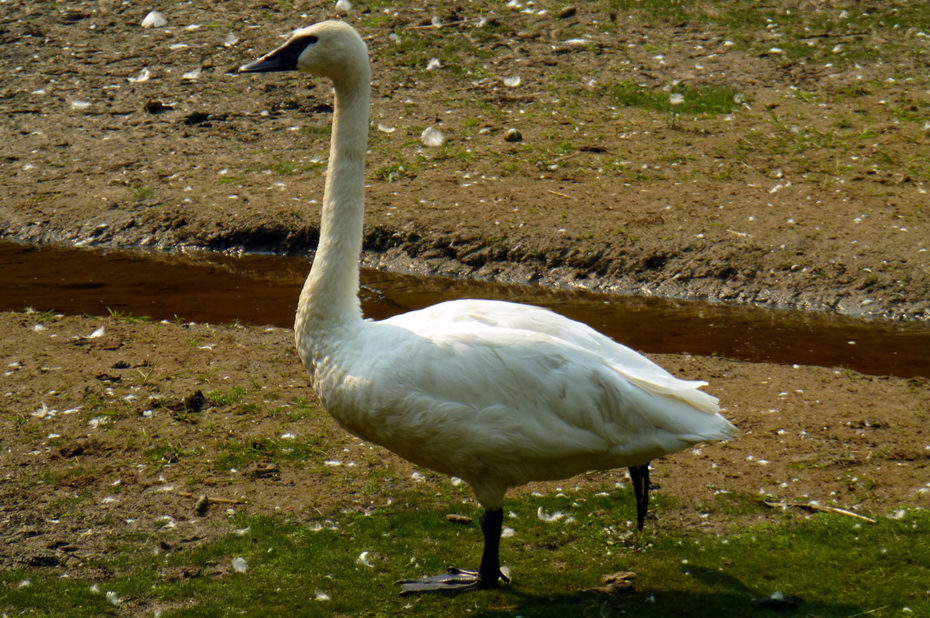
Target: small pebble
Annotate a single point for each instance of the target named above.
(202, 505)
(512, 135)
(455, 518)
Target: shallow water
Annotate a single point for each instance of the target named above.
(261, 289)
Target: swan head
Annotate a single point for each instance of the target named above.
(332, 49)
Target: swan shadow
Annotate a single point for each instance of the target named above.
(731, 597)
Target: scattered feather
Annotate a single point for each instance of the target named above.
(433, 137)
(549, 517)
(113, 599)
(154, 20)
(321, 596)
(363, 559)
(97, 333)
(343, 6)
(676, 98)
(433, 64)
(240, 565)
(512, 82)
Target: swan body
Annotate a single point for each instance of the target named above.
(496, 393)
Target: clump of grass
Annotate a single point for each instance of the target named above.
(239, 454)
(702, 101)
(291, 168)
(395, 171)
(126, 317)
(227, 396)
(141, 193)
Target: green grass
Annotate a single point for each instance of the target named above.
(290, 168)
(140, 193)
(126, 317)
(703, 101)
(239, 454)
(837, 565)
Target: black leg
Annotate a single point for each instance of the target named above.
(640, 477)
(490, 570)
(488, 574)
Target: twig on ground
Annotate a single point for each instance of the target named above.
(817, 507)
(185, 494)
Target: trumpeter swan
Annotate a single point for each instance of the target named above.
(495, 393)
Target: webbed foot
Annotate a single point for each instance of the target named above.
(452, 581)
(455, 580)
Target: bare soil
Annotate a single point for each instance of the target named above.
(810, 193)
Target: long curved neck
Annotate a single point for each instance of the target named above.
(329, 298)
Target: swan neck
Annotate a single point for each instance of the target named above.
(330, 294)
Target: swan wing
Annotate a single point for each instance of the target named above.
(631, 364)
(452, 395)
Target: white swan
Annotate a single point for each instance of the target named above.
(496, 393)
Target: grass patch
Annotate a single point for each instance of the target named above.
(838, 566)
(703, 101)
(126, 317)
(226, 396)
(239, 454)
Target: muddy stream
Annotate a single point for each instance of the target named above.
(263, 289)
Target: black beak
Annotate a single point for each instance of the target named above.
(282, 59)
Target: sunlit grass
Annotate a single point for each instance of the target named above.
(838, 566)
(706, 100)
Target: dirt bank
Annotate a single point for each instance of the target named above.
(724, 150)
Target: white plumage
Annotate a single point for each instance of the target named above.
(496, 393)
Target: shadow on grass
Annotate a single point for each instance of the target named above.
(731, 597)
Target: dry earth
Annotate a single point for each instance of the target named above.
(810, 191)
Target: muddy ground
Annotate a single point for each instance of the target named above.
(808, 188)
(793, 172)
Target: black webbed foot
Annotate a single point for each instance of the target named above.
(459, 580)
(452, 581)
